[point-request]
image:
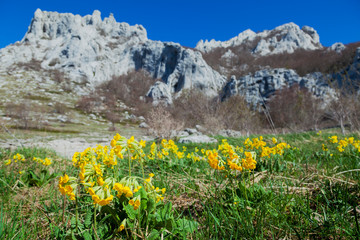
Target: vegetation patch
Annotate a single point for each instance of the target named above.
(295, 186)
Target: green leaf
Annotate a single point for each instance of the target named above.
(154, 235)
(104, 219)
(166, 213)
(87, 236)
(143, 193)
(151, 205)
(88, 218)
(130, 211)
(186, 225)
(73, 223)
(143, 205)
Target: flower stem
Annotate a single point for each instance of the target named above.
(95, 218)
(129, 163)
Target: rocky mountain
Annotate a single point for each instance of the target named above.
(260, 86)
(283, 39)
(257, 88)
(89, 51)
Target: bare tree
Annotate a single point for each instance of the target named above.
(161, 123)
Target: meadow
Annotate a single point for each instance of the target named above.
(293, 186)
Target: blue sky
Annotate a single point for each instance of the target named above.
(188, 21)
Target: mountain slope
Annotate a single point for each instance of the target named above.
(283, 39)
(89, 51)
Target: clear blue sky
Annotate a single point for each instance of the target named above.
(188, 21)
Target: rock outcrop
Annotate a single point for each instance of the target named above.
(337, 47)
(260, 86)
(90, 51)
(283, 39)
(349, 78)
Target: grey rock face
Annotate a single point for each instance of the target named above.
(197, 139)
(143, 125)
(230, 133)
(90, 51)
(349, 78)
(337, 47)
(283, 39)
(258, 87)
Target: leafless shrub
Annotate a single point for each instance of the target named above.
(194, 108)
(102, 32)
(53, 62)
(113, 118)
(345, 111)
(113, 45)
(33, 64)
(87, 103)
(57, 76)
(128, 90)
(295, 108)
(302, 61)
(27, 115)
(60, 108)
(237, 115)
(161, 123)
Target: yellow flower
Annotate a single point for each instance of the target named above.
(122, 227)
(333, 139)
(95, 198)
(137, 203)
(64, 179)
(106, 201)
(142, 143)
(324, 148)
(151, 175)
(8, 162)
(91, 191)
(47, 162)
(113, 143)
(117, 137)
(100, 181)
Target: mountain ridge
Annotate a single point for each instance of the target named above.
(89, 50)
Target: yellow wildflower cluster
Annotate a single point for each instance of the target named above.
(214, 160)
(16, 158)
(45, 162)
(67, 186)
(100, 177)
(20, 158)
(136, 203)
(259, 145)
(228, 157)
(342, 144)
(167, 150)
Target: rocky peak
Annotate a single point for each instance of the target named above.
(89, 51)
(51, 25)
(337, 47)
(207, 46)
(285, 38)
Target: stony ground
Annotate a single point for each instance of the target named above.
(64, 145)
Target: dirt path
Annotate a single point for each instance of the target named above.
(63, 147)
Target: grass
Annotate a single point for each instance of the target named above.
(306, 194)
